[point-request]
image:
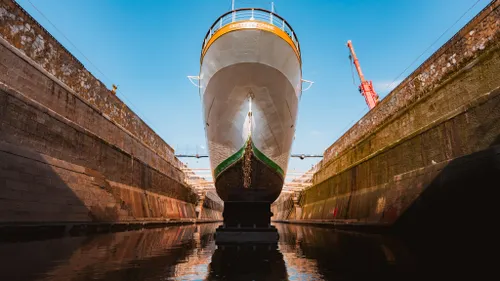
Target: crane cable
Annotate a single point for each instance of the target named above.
(352, 70)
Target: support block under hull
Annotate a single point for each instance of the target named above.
(246, 222)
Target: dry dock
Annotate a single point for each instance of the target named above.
(423, 165)
(73, 154)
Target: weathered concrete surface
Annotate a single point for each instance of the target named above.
(211, 207)
(70, 150)
(287, 207)
(437, 133)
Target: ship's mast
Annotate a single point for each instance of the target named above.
(272, 6)
(232, 9)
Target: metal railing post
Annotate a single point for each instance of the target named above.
(252, 15)
(271, 18)
(234, 14)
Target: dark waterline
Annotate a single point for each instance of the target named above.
(189, 253)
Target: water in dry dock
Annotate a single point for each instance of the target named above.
(189, 253)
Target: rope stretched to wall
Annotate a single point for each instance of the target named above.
(430, 46)
(102, 73)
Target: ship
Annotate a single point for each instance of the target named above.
(250, 85)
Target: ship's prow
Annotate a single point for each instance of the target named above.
(250, 88)
(250, 85)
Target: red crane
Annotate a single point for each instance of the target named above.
(366, 87)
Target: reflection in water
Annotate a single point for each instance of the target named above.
(189, 253)
(316, 253)
(249, 262)
(146, 254)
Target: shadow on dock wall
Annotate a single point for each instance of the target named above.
(43, 189)
(39, 189)
(386, 202)
(462, 195)
(53, 171)
(452, 221)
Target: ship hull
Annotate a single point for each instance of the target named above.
(250, 91)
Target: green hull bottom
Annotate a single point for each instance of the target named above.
(248, 175)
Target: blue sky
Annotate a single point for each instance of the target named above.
(149, 47)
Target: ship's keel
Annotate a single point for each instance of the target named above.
(246, 222)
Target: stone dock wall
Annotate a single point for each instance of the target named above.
(429, 151)
(70, 149)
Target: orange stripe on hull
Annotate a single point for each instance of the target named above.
(251, 24)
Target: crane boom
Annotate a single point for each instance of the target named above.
(366, 87)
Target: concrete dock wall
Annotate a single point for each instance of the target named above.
(437, 133)
(286, 207)
(71, 150)
(212, 207)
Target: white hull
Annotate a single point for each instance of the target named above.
(255, 71)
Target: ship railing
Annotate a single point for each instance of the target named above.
(256, 14)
